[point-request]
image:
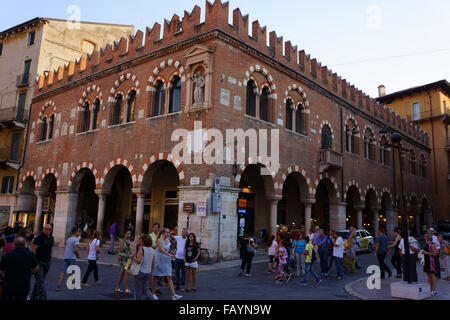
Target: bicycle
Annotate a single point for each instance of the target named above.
(204, 256)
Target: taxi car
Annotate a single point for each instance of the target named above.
(364, 240)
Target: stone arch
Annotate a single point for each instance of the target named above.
(302, 94)
(332, 185)
(158, 157)
(28, 174)
(45, 175)
(257, 68)
(97, 94)
(353, 184)
(128, 77)
(152, 80)
(47, 105)
(301, 176)
(84, 165)
(118, 162)
(323, 124)
(273, 185)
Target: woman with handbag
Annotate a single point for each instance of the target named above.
(163, 262)
(124, 262)
(431, 257)
(143, 264)
(94, 250)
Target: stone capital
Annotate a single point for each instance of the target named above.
(273, 197)
(359, 208)
(140, 193)
(100, 192)
(40, 194)
(308, 201)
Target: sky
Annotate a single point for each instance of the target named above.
(400, 44)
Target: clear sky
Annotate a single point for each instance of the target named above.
(400, 44)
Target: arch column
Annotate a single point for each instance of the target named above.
(40, 201)
(308, 208)
(101, 211)
(140, 195)
(376, 223)
(359, 214)
(273, 199)
(392, 221)
(338, 212)
(65, 215)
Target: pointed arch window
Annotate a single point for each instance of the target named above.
(118, 111)
(96, 110)
(131, 106)
(327, 139)
(251, 99)
(175, 95)
(44, 129)
(264, 105)
(51, 125)
(86, 118)
(348, 139)
(289, 115)
(300, 120)
(158, 105)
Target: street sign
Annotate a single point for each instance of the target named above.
(242, 211)
(217, 185)
(189, 208)
(242, 203)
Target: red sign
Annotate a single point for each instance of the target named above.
(242, 203)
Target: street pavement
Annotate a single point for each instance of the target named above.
(216, 282)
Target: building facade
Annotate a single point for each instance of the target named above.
(428, 106)
(125, 112)
(26, 50)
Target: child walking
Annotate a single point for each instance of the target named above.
(282, 261)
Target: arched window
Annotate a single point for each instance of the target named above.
(355, 141)
(175, 95)
(44, 129)
(251, 99)
(264, 105)
(348, 139)
(300, 121)
(423, 166)
(118, 111)
(95, 114)
(366, 147)
(289, 114)
(413, 162)
(158, 106)
(327, 139)
(51, 125)
(86, 118)
(131, 106)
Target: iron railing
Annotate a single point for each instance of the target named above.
(23, 80)
(13, 114)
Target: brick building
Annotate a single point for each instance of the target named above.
(115, 110)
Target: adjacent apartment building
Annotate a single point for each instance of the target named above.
(428, 106)
(26, 50)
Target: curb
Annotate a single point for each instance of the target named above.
(348, 288)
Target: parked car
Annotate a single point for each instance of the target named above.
(364, 240)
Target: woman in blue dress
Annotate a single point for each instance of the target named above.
(163, 262)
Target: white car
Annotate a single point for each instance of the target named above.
(364, 241)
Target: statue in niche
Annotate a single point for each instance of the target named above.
(199, 89)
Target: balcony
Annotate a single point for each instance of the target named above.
(23, 80)
(13, 114)
(329, 160)
(9, 157)
(429, 114)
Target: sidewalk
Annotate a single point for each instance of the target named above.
(359, 289)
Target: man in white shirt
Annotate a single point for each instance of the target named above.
(412, 263)
(180, 269)
(338, 253)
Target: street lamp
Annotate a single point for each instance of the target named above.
(396, 139)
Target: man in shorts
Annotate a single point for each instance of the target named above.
(70, 254)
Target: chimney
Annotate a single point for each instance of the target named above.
(381, 91)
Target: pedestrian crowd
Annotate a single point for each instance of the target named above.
(304, 251)
(154, 260)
